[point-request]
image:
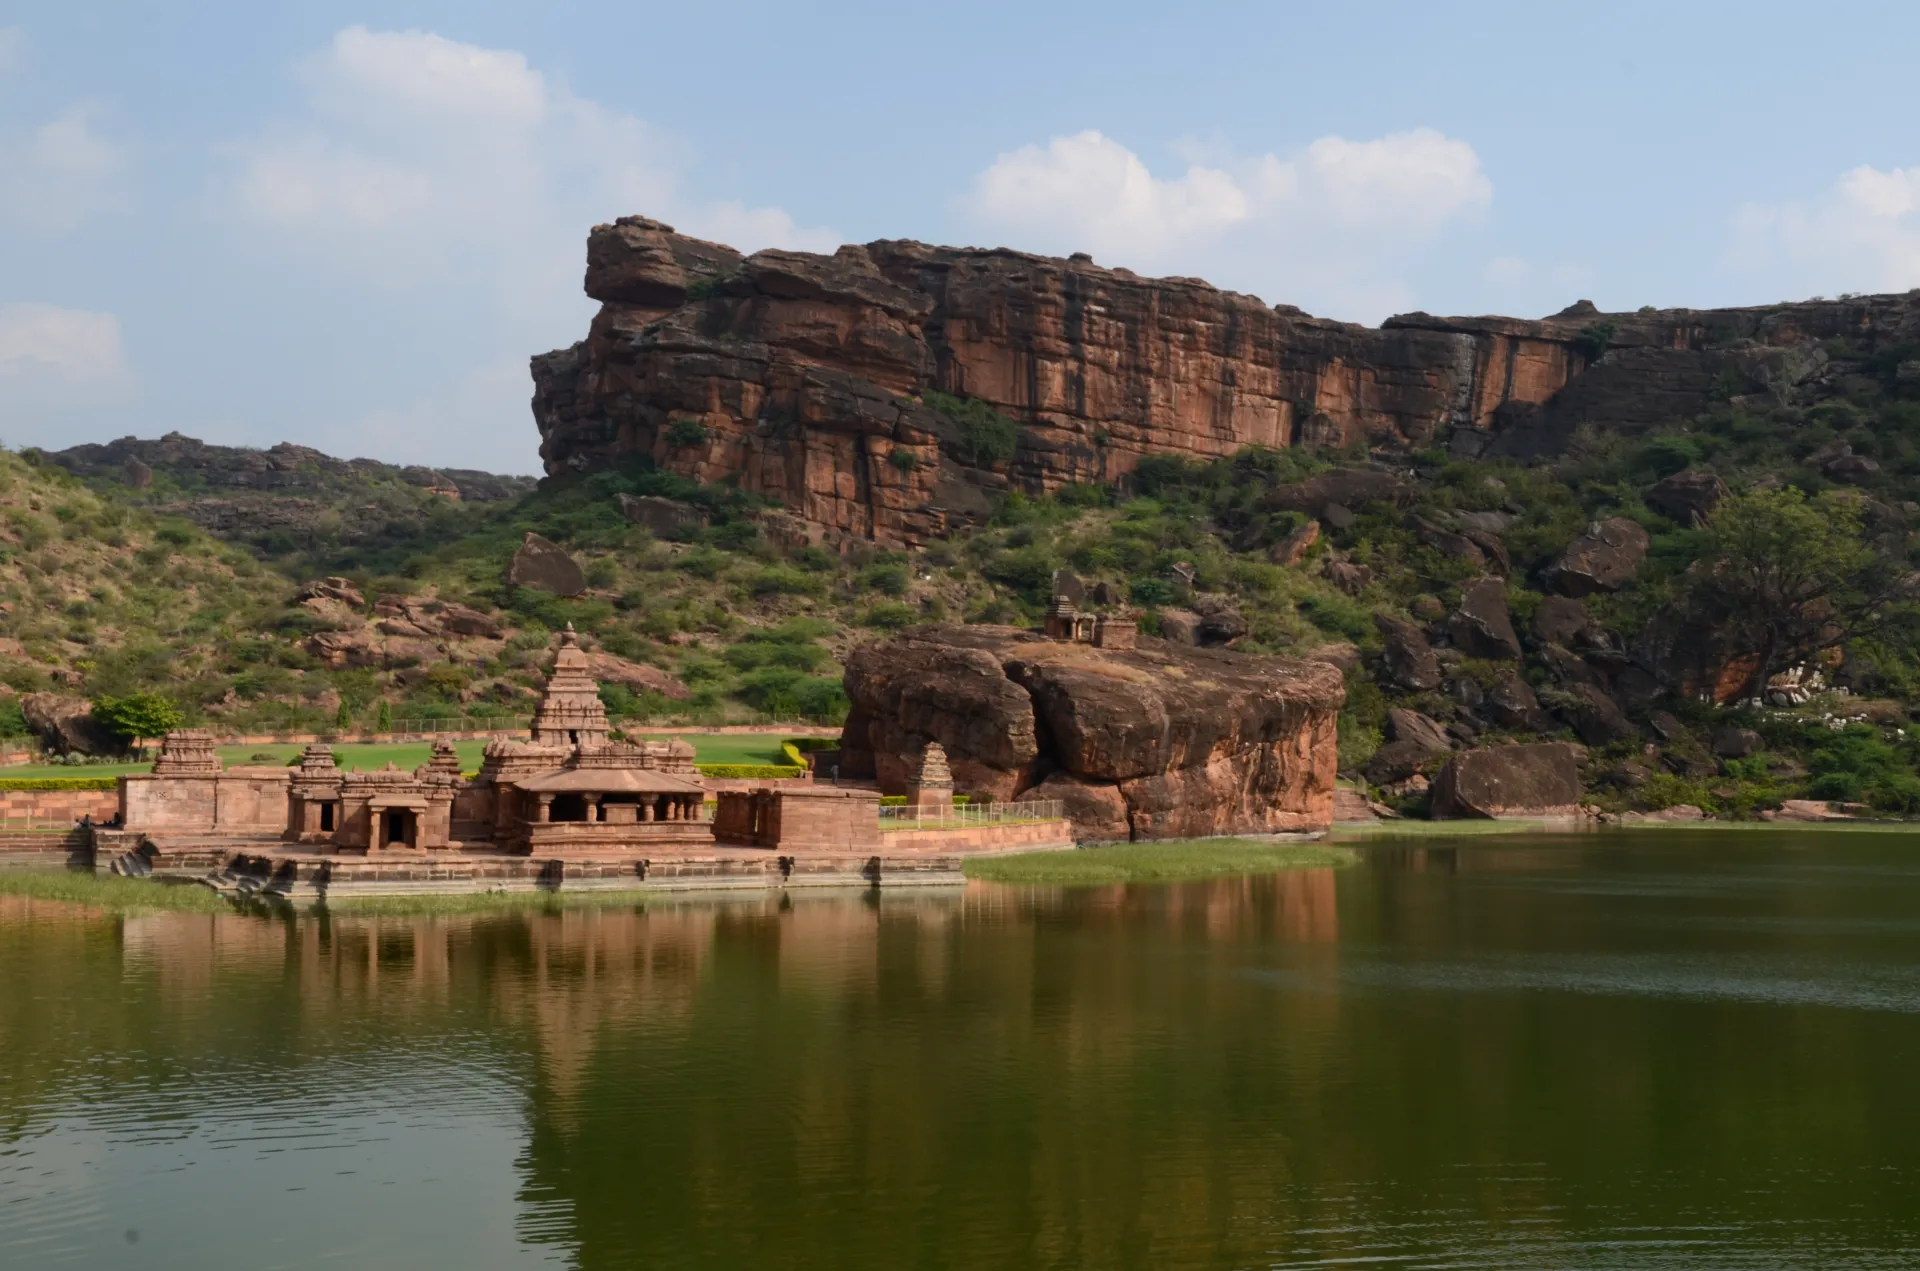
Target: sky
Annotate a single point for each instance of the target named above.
(350, 225)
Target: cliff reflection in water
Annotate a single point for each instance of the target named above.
(1528, 1054)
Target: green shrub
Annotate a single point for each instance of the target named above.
(902, 459)
(986, 436)
(887, 616)
(780, 580)
(749, 771)
(890, 579)
(685, 432)
(1150, 591)
(59, 783)
(137, 715)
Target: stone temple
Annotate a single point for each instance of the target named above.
(567, 804)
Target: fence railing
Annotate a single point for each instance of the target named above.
(462, 724)
(972, 814)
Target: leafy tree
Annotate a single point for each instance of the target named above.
(343, 718)
(136, 716)
(383, 719)
(1783, 577)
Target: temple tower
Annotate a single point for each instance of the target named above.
(187, 752)
(930, 783)
(570, 711)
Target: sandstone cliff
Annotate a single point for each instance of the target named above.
(1155, 742)
(806, 377)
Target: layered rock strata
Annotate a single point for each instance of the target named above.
(1156, 741)
(807, 377)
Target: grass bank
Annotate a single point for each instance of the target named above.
(111, 891)
(1179, 860)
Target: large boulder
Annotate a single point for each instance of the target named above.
(1481, 625)
(1560, 620)
(1515, 781)
(1408, 658)
(65, 725)
(662, 517)
(546, 566)
(1688, 497)
(1594, 716)
(637, 676)
(1605, 558)
(1187, 741)
(336, 589)
(1512, 703)
(1347, 487)
(1406, 725)
(1395, 762)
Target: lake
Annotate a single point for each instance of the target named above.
(1640, 1049)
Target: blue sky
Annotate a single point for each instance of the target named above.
(350, 226)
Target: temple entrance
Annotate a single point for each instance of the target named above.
(327, 824)
(396, 828)
(568, 807)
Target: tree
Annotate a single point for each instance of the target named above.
(343, 718)
(140, 715)
(383, 719)
(1782, 578)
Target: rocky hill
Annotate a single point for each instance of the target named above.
(890, 390)
(282, 499)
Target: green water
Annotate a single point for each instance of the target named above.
(1642, 1050)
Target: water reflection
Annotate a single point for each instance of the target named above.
(1536, 1055)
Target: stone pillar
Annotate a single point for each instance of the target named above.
(546, 809)
(646, 809)
(593, 806)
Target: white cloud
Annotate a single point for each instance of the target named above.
(46, 340)
(1862, 235)
(1333, 222)
(428, 176)
(419, 155)
(62, 173)
(54, 361)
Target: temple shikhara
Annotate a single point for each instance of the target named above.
(566, 805)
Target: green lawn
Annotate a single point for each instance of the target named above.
(707, 748)
(1172, 861)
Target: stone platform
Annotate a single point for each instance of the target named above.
(270, 868)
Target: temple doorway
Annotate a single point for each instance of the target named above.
(397, 830)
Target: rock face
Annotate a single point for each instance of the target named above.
(1159, 741)
(801, 375)
(1538, 780)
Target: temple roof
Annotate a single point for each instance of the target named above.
(608, 781)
